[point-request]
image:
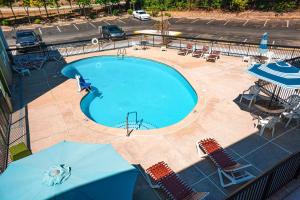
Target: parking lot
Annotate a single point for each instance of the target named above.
(282, 32)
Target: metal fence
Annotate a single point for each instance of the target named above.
(230, 48)
(5, 120)
(271, 181)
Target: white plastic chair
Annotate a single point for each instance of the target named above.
(293, 114)
(292, 102)
(268, 122)
(250, 94)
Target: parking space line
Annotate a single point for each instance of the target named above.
(244, 24)
(92, 25)
(210, 21)
(220, 37)
(121, 21)
(226, 22)
(106, 22)
(194, 21)
(40, 30)
(245, 40)
(266, 22)
(178, 20)
(273, 42)
(198, 35)
(58, 28)
(287, 23)
(76, 27)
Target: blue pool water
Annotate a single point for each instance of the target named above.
(156, 92)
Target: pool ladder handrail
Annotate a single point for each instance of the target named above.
(128, 130)
(121, 52)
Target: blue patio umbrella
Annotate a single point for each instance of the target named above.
(279, 73)
(69, 170)
(263, 46)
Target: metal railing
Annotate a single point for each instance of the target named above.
(128, 129)
(230, 48)
(5, 121)
(271, 181)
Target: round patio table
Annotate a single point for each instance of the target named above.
(265, 106)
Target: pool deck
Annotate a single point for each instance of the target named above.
(52, 106)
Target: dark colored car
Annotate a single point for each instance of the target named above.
(27, 39)
(113, 32)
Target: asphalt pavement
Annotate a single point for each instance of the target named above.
(282, 32)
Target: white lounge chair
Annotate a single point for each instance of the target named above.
(250, 94)
(268, 122)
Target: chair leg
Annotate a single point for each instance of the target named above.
(287, 124)
(262, 130)
(249, 106)
(241, 98)
(273, 130)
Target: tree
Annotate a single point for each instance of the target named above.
(82, 4)
(102, 2)
(70, 3)
(37, 3)
(55, 3)
(45, 2)
(26, 5)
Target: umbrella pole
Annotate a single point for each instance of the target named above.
(273, 94)
(278, 93)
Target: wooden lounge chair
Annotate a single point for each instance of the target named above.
(227, 168)
(187, 50)
(213, 56)
(166, 179)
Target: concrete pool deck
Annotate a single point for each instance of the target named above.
(52, 108)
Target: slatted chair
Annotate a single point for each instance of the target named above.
(234, 172)
(187, 50)
(166, 179)
(200, 52)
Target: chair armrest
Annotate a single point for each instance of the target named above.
(239, 168)
(246, 90)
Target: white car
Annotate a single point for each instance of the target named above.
(141, 14)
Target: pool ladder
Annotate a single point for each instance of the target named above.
(121, 53)
(128, 129)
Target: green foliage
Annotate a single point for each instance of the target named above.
(129, 11)
(168, 14)
(83, 3)
(285, 6)
(5, 22)
(36, 3)
(54, 3)
(93, 16)
(37, 21)
(115, 12)
(26, 3)
(239, 5)
(102, 2)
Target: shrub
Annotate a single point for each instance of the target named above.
(239, 5)
(168, 14)
(5, 22)
(37, 21)
(154, 13)
(129, 11)
(93, 16)
(284, 6)
(115, 12)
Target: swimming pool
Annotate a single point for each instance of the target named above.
(151, 94)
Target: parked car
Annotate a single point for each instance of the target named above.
(141, 14)
(113, 32)
(27, 39)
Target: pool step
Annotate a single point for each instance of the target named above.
(136, 126)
